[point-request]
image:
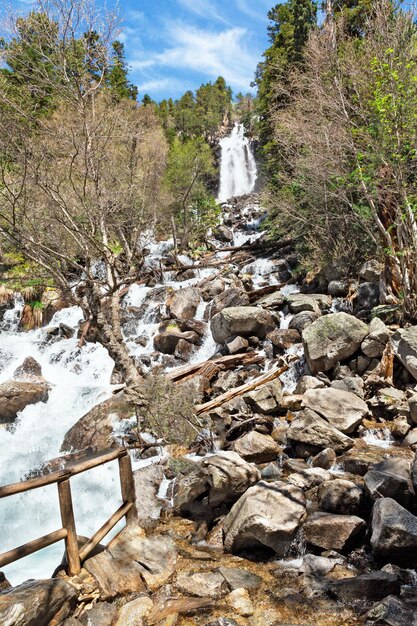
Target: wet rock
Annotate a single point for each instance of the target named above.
(266, 398)
(29, 372)
(147, 483)
(284, 338)
(359, 459)
(319, 565)
(266, 516)
(95, 429)
(37, 603)
(392, 611)
(274, 300)
(167, 342)
(333, 532)
(238, 578)
(60, 331)
(257, 448)
(102, 614)
(374, 344)
(389, 402)
(240, 344)
(342, 409)
(224, 234)
(212, 288)
(390, 478)
(325, 459)
(299, 302)
(240, 601)
(202, 584)
(231, 298)
(133, 613)
(331, 339)
(371, 271)
(241, 321)
(311, 429)
(340, 496)
(394, 533)
(183, 303)
(311, 477)
(303, 320)
(16, 395)
(372, 586)
(133, 563)
(217, 480)
(404, 343)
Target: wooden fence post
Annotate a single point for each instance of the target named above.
(127, 485)
(68, 522)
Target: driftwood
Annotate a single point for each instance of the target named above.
(224, 362)
(238, 391)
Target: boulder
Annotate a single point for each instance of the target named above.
(134, 563)
(374, 344)
(308, 478)
(331, 339)
(389, 403)
(238, 578)
(101, 614)
(37, 603)
(217, 480)
(230, 298)
(273, 300)
(95, 429)
(392, 611)
(311, 429)
(202, 584)
(16, 395)
(148, 480)
(133, 613)
(303, 320)
(212, 288)
(390, 478)
(372, 586)
(325, 459)
(183, 303)
(266, 398)
(284, 338)
(257, 448)
(167, 341)
(308, 382)
(241, 321)
(340, 496)
(266, 516)
(371, 271)
(353, 384)
(404, 343)
(367, 297)
(240, 601)
(29, 372)
(299, 302)
(333, 532)
(338, 288)
(342, 409)
(394, 533)
(240, 344)
(222, 233)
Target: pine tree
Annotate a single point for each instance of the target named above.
(118, 82)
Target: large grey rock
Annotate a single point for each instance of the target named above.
(367, 297)
(95, 429)
(331, 339)
(29, 371)
(233, 297)
(342, 409)
(371, 271)
(217, 480)
(167, 341)
(37, 603)
(257, 448)
(374, 344)
(372, 586)
(133, 613)
(311, 429)
(404, 343)
(301, 321)
(202, 584)
(299, 302)
(391, 478)
(340, 496)
(267, 515)
(16, 395)
(333, 532)
(147, 483)
(265, 399)
(394, 533)
(243, 321)
(392, 611)
(134, 563)
(183, 303)
(238, 578)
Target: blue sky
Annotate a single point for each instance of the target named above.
(175, 45)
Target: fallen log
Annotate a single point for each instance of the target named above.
(238, 391)
(225, 362)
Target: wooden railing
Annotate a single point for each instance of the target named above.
(75, 556)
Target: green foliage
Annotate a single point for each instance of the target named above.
(117, 79)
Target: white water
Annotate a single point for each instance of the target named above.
(238, 167)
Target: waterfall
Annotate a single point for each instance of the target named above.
(238, 171)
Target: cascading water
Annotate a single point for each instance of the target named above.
(238, 171)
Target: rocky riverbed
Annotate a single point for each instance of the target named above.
(296, 504)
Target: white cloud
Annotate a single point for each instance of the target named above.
(247, 8)
(203, 8)
(212, 53)
(158, 85)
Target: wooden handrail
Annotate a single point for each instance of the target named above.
(54, 477)
(68, 532)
